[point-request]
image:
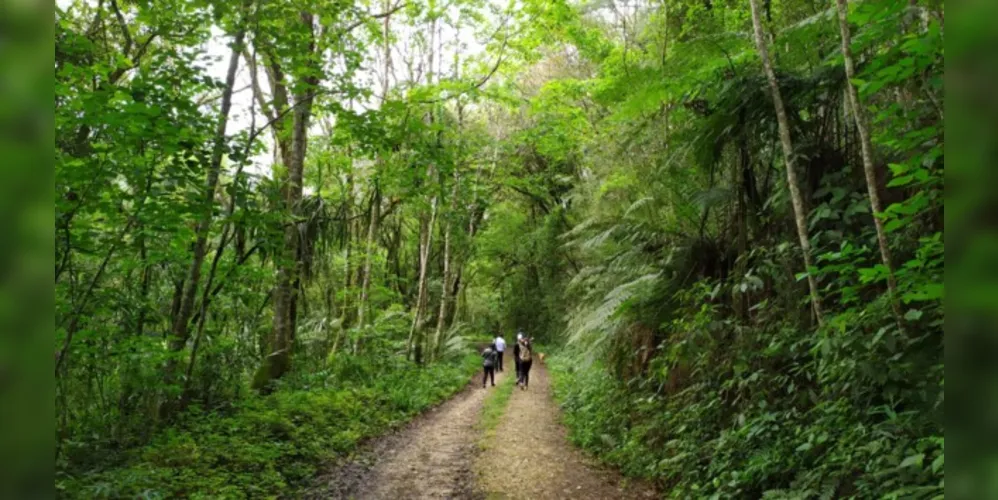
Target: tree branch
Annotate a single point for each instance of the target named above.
(123, 25)
(352, 26)
(484, 79)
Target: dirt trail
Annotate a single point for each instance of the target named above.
(438, 456)
(432, 457)
(531, 441)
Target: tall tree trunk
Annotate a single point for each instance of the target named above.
(372, 232)
(866, 149)
(375, 211)
(744, 163)
(278, 361)
(446, 279)
(425, 242)
(458, 291)
(416, 335)
(146, 274)
(180, 329)
(230, 229)
(347, 266)
(187, 393)
(800, 215)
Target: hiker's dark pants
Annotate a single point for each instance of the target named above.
(525, 372)
(490, 372)
(516, 361)
(499, 365)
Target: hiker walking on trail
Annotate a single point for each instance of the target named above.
(500, 344)
(516, 355)
(489, 364)
(526, 360)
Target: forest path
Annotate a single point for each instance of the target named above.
(444, 454)
(432, 457)
(532, 458)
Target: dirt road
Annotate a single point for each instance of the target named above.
(532, 458)
(439, 456)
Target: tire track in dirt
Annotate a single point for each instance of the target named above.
(532, 458)
(432, 457)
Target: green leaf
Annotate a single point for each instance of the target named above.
(927, 292)
(913, 461)
(893, 225)
(879, 335)
(938, 463)
(913, 314)
(903, 180)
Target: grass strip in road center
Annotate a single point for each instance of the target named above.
(493, 409)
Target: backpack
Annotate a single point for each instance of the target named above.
(490, 357)
(524, 353)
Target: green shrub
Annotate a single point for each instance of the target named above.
(269, 446)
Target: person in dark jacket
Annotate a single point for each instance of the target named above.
(489, 365)
(516, 356)
(526, 360)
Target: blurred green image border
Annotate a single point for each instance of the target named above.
(972, 248)
(26, 249)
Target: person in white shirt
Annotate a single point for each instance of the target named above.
(500, 344)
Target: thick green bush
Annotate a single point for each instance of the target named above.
(801, 415)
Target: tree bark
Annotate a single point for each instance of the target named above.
(744, 164)
(800, 215)
(375, 212)
(425, 242)
(416, 336)
(347, 266)
(372, 231)
(278, 362)
(446, 279)
(866, 148)
(180, 331)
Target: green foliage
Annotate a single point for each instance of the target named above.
(146, 174)
(691, 359)
(605, 176)
(267, 446)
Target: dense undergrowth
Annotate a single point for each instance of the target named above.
(780, 422)
(269, 446)
(694, 356)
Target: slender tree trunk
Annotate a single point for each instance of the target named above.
(187, 393)
(445, 296)
(866, 149)
(416, 336)
(425, 243)
(227, 234)
(800, 215)
(372, 232)
(347, 266)
(180, 331)
(278, 362)
(741, 300)
(458, 292)
(395, 256)
(375, 212)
